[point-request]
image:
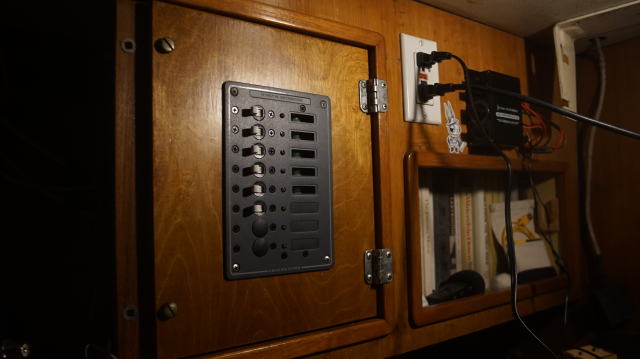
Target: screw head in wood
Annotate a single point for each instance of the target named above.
(167, 311)
(128, 45)
(165, 45)
(327, 259)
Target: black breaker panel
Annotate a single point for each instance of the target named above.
(277, 182)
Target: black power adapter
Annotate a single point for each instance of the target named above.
(500, 116)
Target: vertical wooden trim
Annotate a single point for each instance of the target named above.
(412, 205)
(126, 273)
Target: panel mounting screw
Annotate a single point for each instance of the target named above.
(234, 109)
(368, 255)
(236, 267)
(235, 129)
(272, 170)
(272, 133)
(128, 45)
(384, 106)
(271, 114)
(389, 276)
(167, 311)
(272, 189)
(327, 259)
(235, 169)
(369, 278)
(130, 313)
(364, 107)
(234, 91)
(272, 151)
(235, 149)
(323, 104)
(303, 108)
(165, 45)
(388, 254)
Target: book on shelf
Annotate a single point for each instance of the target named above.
(442, 225)
(456, 223)
(466, 227)
(480, 228)
(427, 235)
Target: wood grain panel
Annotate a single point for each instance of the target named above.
(615, 190)
(216, 314)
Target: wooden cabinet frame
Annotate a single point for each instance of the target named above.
(126, 241)
(436, 313)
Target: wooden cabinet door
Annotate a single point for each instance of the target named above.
(215, 314)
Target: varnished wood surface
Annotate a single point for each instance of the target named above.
(436, 313)
(216, 314)
(482, 48)
(126, 271)
(615, 190)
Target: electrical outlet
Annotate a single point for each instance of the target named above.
(413, 110)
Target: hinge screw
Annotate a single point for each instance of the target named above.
(389, 276)
(165, 45)
(327, 259)
(383, 85)
(368, 255)
(363, 84)
(167, 311)
(384, 106)
(364, 107)
(369, 278)
(388, 254)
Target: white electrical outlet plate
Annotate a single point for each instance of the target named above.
(413, 111)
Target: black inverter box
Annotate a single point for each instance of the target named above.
(500, 116)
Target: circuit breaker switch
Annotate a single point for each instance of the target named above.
(257, 131)
(257, 111)
(257, 169)
(258, 209)
(257, 150)
(257, 189)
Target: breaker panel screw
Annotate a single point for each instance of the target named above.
(234, 91)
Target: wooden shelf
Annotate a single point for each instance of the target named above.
(444, 311)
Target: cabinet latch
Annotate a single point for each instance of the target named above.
(378, 266)
(373, 96)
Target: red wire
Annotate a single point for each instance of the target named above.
(538, 116)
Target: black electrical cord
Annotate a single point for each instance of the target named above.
(560, 110)
(507, 210)
(556, 256)
(534, 101)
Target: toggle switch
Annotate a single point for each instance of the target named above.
(257, 189)
(257, 150)
(257, 169)
(258, 209)
(257, 111)
(257, 130)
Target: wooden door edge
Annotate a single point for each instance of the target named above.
(125, 244)
(310, 343)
